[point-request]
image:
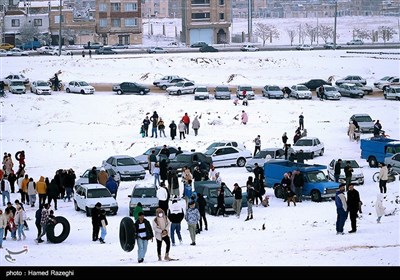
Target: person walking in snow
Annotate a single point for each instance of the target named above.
(257, 143)
(244, 118)
(172, 130)
(161, 225)
(186, 121)
(301, 121)
(144, 233)
(196, 125)
(379, 208)
(182, 129)
(341, 209)
(192, 217)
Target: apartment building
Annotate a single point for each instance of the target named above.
(206, 20)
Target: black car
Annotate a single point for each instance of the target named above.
(208, 49)
(190, 159)
(129, 87)
(105, 50)
(198, 44)
(313, 84)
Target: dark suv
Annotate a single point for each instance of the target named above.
(190, 159)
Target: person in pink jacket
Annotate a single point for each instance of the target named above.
(244, 117)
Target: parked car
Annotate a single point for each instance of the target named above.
(16, 77)
(331, 45)
(17, 52)
(84, 178)
(208, 49)
(165, 79)
(357, 176)
(190, 159)
(105, 50)
(93, 46)
(228, 156)
(44, 50)
(143, 158)
(243, 90)
(364, 88)
(40, 87)
(249, 48)
(392, 93)
(351, 79)
(182, 88)
(304, 47)
(55, 51)
(156, 50)
(16, 87)
(383, 80)
(310, 145)
(79, 87)
(226, 143)
(131, 87)
(198, 44)
(165, 84)
(330, 93)
(264, 155)
(364, 121)
(209, 190)
(313, 84)
(394, 162)
(272, 91)
(300, 92)
(201, 93)
(146, 194)
(350, 90)
(126, 166)
(6, 46)
(386, 82)
(119, 46)
(222, 92)
(3, 52)
(355, 42)
(87, 195)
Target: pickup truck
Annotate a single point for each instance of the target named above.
(316, 184)
(376, 149)
(190, 159)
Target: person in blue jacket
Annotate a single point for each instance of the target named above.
(112, 186)
(341, 209)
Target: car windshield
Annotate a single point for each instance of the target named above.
(179, 84)
(363, 119)
(303, 142)
(42, 84)
(274, 88)
(183, 158)
(126, 161)
(353, 164)
(98, 193)
(302, 88)
(144, 192)
(330, 89)
(221, 89)
(263, 154)
(317, 176)
(215, 144)
(210, 151)
(201, 89)
(247, 88)
(148, 152)
(17, 83)
(83, 84)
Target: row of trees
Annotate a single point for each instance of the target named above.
(312, 33)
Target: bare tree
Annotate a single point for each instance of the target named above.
(265, 32)
(386, 33)
(292, 34)
(325, 32)
(310, 31)
(28, 32)
(361, 33)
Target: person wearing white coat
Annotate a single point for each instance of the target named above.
(379, 208)
(5, 190)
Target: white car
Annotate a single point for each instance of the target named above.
(16, 87)
(17, 52)
(311, 145)
(16, 77)
(45, 50)
(263, 156)
(143, 159)
(201, 92)
(356, 178)
(226, 143)
(55, 51)
(392, 93)
(156, 50)
(394, 161)
(84, 178)
(228, 156)
(222, 92)
(41, 87)
(249, 48)
(304, 47)
(3, 52)
(127, 167)
(79, 87)
(272, 91)
(182, 88)
(330, 93)
(86, 196)
(300, 92)
(243, 90)
(167, 78)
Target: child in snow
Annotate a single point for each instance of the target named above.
(380, 209)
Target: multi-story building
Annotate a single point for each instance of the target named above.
(155, 8)
(206, 20)
(119, 21)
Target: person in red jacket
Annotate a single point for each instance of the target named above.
(186, 121)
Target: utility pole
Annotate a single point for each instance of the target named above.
(249, 20)
(59, 32)
(334, 27)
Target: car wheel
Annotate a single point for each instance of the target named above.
(67, 90)
(164, 87)
(316, 196)
(210, 210)
(278, 191)
(76, 206)
(178, 92)
(82, 91)
(66, 228)
(241, 162)
(321, 153)
(372, 162)
(141, 92)
(127, 234)
(119, 92)
(31, 90)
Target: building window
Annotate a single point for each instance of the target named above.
(57, 19)
(131, 22)
(222, 2)
(15, 22)
(116, 22)
(200, 2)
(129, 7)
(37, 22)
(103, 22)
(201, 16)
(221, 16)
(102, 7)
(115, 7)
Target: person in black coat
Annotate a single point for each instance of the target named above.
(93, 175)
(172, 128)
(298, 182)
(96, 221)
(353, 205)
(338, 168)
(221, 200)
(146, 123)
(286, 184)
(164, 170)
(201, 202)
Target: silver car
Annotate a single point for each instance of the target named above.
(272, 91)
(222, 92)
(330, 93)
(143, 158)
(300, 92)
(264, 155)
(146, 194)
(127, 167)
(394, 161)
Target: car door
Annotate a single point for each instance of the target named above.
(226, 156)
(188, 87)
(80, 196)
(317, 145)
(73, 86)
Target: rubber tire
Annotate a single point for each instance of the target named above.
(372, 162)
(241, 162)
(278, 191)
(316, 196)
(375, 177)
(67, 90)
(64, 234)
(127, 232)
